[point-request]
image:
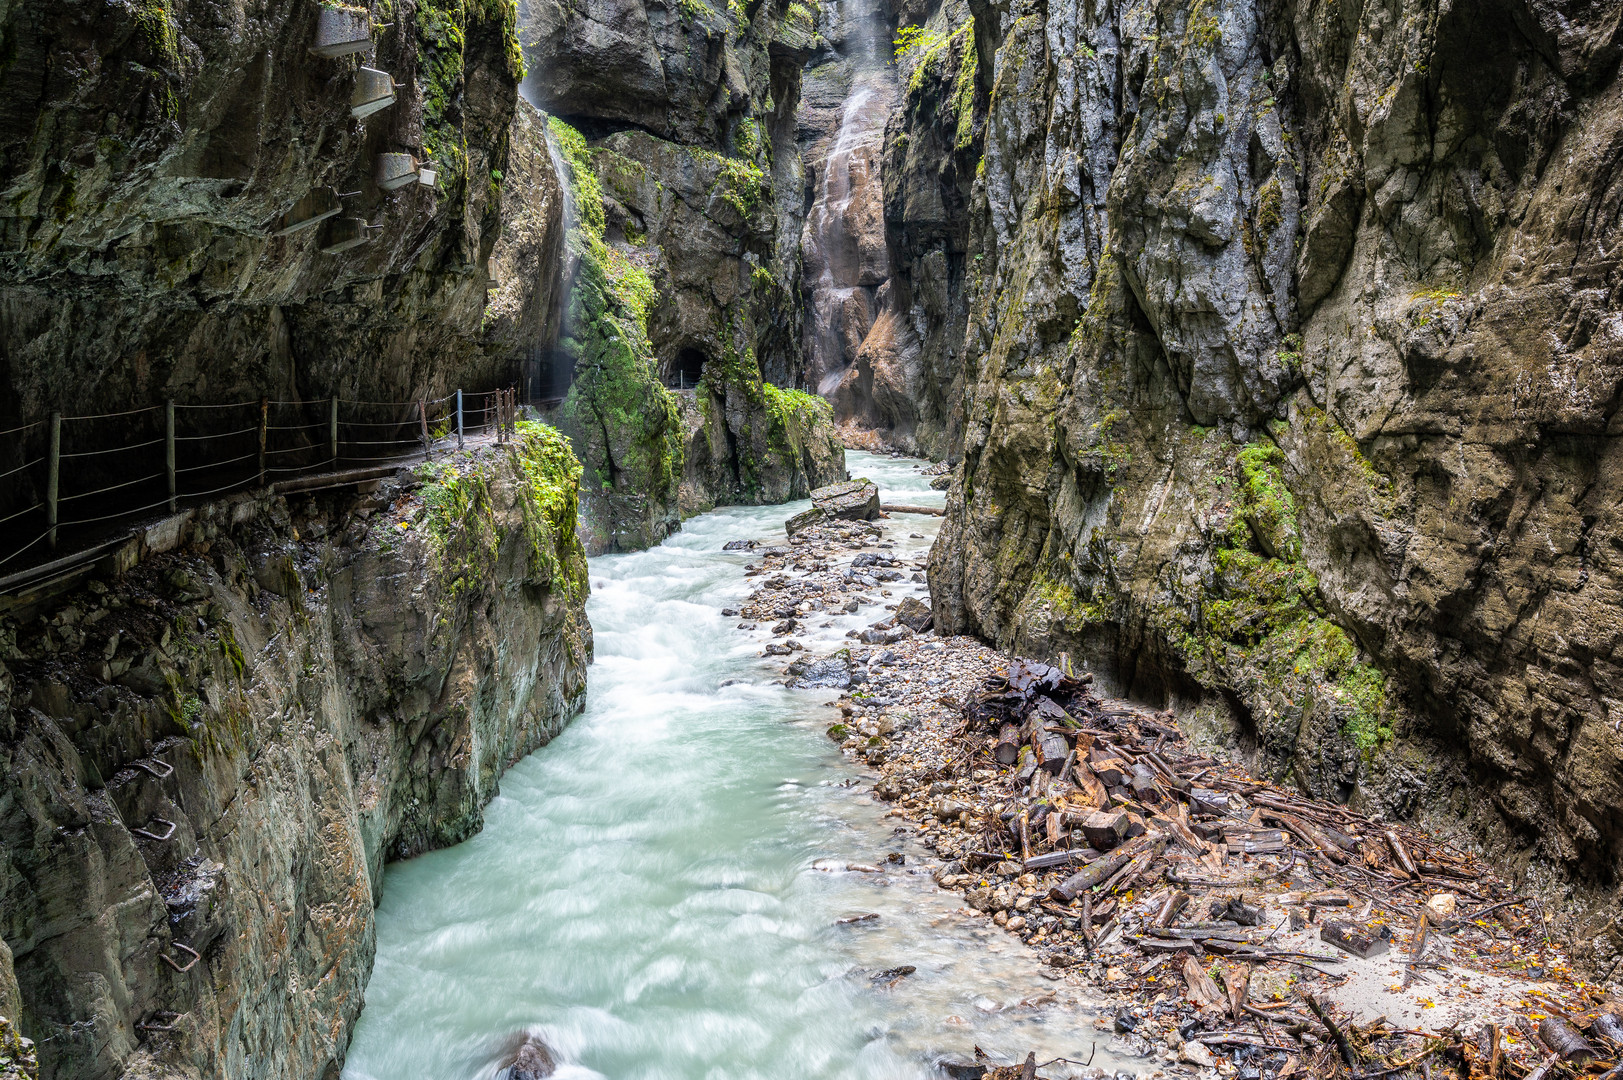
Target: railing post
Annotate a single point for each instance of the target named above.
(332, 430)
(169, 449)
(264, 426)
(459, 419)
(422, 416)
(53, 477)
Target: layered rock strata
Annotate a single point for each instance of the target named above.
(206, 761)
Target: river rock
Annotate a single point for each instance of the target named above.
(829, 673)
(854, 500)
(884, 634)
(532, 1061)
(804, 520)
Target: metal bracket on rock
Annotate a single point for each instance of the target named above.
(169, 769)
(185, 949)
(153, 835)
(159, 1027)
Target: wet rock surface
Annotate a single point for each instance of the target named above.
(206, 762)
(685, 342)
(1261, 428)
(151, 187)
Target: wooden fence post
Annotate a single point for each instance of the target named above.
(459, 419)
(53, 477)
(169, 449)
(332, 430)
(422, 416)
(264, 423)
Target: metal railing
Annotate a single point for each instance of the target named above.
(67, 481)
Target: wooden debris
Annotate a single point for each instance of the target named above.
(1104, 830)
(1563, 1039)
(1202, 991)
(1608, 1026)
(1349, 937)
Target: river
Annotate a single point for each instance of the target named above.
(643, 895)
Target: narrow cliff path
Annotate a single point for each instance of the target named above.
(658, 892)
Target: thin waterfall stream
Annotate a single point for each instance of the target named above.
(657, 892)
(846, 257)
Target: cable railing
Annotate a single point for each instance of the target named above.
(68, 482)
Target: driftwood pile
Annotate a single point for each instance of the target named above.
(1127, 843)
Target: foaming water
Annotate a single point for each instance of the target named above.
(643, 895)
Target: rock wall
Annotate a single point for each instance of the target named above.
(525, 312)
(910, 368)
(150, 152)
(221, 748)
(1291, 387)
(678, 128)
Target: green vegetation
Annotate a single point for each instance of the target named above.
(1270, 508)
(1072, 614)
(624, 425)
(460, 519)
(1270, 206)
(747, 138)
(1264, 627)
(912, 38)
(551, 505)
(442, 35)
(786, 408)
(158, 29)
(1290, 351)
(963, 94)
(460, 524)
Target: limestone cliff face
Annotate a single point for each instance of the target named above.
(1292, 385)
(910, 368)
(220, 749)
(150, 153)
(677, 124)
(525, 312)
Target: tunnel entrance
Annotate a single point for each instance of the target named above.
(685, 371)
(549, 376)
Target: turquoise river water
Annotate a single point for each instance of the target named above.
(643, 895)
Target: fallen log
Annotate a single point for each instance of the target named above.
(900, 508)
(1007, 750)
(1104, 830)
(1562, 1038)
(1060, 858)
(1088, 877)
(1608, 1026)
(1353, 939)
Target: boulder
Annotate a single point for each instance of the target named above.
(829, 673)
(803, 520)
(914, 614)
(854, 500)
(532, 1061)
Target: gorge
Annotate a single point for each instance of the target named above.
(1272, 348)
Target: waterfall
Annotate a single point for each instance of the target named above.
(844, 240)
(556, 371)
